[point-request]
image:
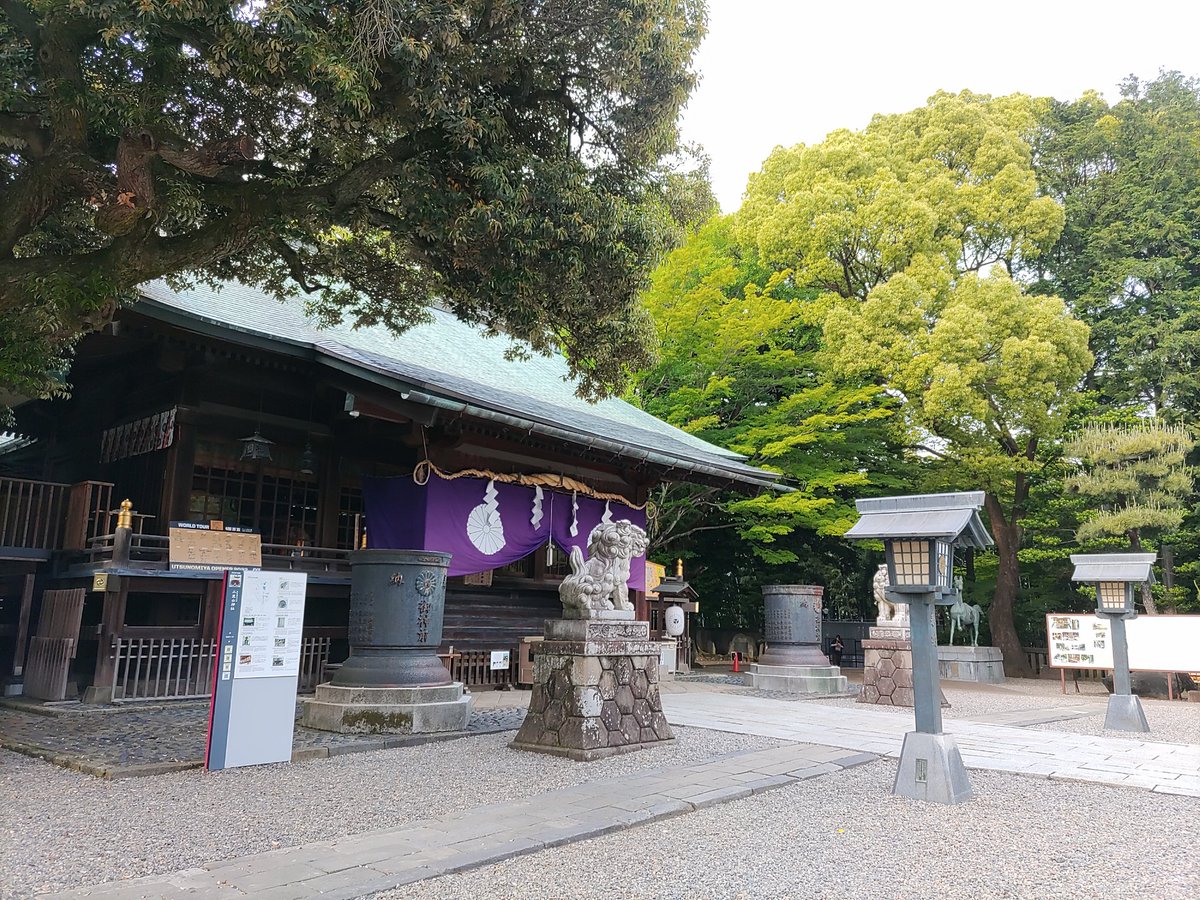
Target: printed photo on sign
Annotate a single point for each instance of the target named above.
(245, 659)
(280, 642)
(249, 623)
(277, 661)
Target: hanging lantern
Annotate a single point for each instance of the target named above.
(673, 619)
(256, 447)
(308, 459)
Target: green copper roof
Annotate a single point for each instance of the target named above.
(447, 363)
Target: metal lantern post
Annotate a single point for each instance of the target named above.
(1116, 575)
(919, 534)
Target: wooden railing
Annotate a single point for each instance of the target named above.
(163, 668)
(474, 668)
(151, 551)
(48, 515)
(182, 668)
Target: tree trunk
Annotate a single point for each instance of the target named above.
(1008, 579)
(1135, 544)
(1168, 570)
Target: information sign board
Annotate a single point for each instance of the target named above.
(501, 660)
(1156, 643)
(212, 546)
(253, 707)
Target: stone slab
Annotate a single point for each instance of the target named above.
(589, 630)
(979, 664)
(390, 718)
(798, 679)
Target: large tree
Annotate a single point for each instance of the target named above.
(498, 155)
(910, 230)
(1128, 258)
(738, 367)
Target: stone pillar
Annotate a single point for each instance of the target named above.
(793, 662)
(595, 690)
(393, 681)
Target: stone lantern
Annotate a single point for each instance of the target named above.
(1116, 575)
(919, 534)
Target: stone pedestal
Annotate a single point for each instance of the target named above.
(595, 689)
(981, 664)
(798, 679)
(383, 710)
(792, 625)
(887, 667)
(931, 769)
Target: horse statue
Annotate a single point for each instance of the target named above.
(963, 614)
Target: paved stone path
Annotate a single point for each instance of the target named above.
(1163, 768)
(117, 742)
(361, 864)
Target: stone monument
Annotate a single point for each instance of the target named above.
(595, 676)
(393, 681)
(973, 663)
(793, 661)
(887, 651)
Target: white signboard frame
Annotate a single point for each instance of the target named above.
(1156, 643)
(501, 660)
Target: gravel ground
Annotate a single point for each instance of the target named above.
(1173, 722)
(845, 837)
(59, 828)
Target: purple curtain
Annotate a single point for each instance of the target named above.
(484, 531)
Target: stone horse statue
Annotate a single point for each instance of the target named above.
(963, 614)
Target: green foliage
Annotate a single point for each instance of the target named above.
(503, 157)
(1135, 478)
(739, 368)
(1128, 258)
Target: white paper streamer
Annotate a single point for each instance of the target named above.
(574, 514)
(536, 519)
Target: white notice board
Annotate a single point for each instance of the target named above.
(270, 625)
(1156, 643)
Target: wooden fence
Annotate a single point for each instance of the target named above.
(182, 668)
(474, 668)
(53, 646)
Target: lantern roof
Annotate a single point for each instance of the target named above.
(1093, 568)
(672, 586)
(949, 517)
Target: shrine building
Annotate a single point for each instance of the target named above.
(234, 413)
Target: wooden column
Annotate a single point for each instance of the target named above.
(112, 621)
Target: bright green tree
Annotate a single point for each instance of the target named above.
(1136, 480)
(501, 156)
(738, 368)
(909, 231)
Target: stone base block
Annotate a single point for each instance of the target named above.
(382, 710)
(589, 703)
(1125, 713)
(887, 673)
(981, 664)
(798, 679)
(932, 769)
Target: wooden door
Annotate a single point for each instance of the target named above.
(53, 646)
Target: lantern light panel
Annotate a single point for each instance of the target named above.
(1114, 596)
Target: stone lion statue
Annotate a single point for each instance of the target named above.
(887, 612)
(601, 582)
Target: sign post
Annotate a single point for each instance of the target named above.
(253, 711)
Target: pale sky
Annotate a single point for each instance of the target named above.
(783, 72)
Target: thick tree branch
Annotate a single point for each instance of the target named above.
(26, 132)
(22, 19)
